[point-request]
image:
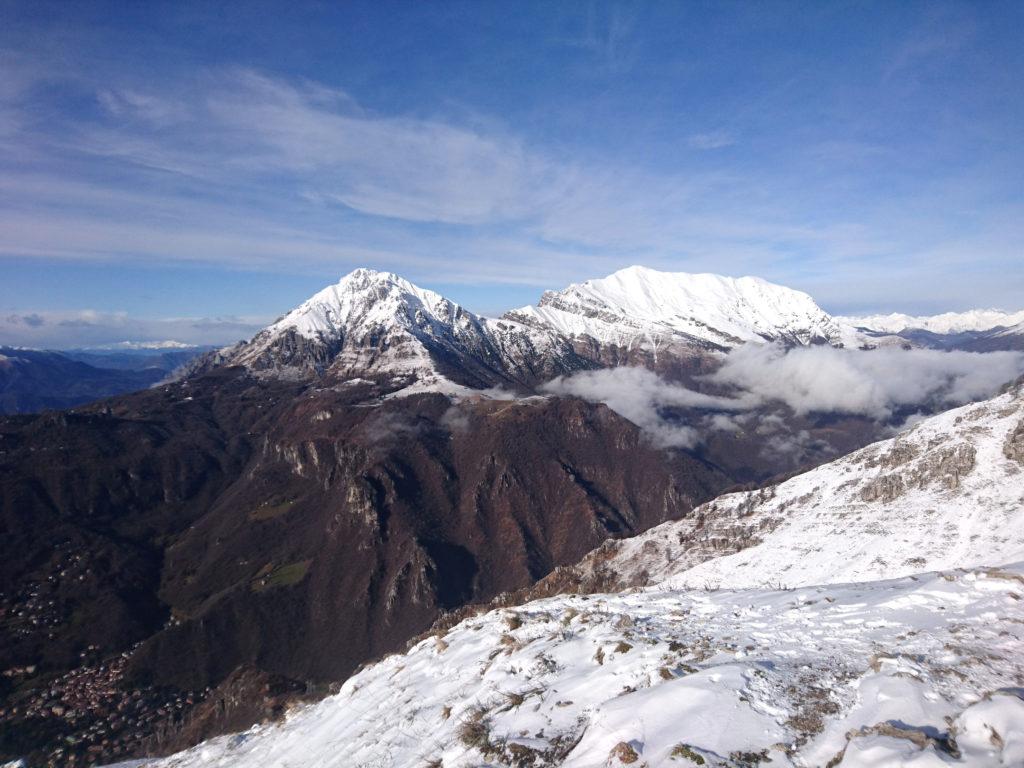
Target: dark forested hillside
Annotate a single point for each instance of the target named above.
(227, 528)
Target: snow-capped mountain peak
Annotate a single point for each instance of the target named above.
(374, 322)
(143, 345)
(365, 298)
(638, 305)
(367, 322)
(379, 325)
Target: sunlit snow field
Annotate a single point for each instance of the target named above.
(807, 677)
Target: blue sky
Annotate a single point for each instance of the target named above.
(193, 170)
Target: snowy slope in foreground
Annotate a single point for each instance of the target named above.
(947, 493)
(640, 306)
(948, 322)
(916, 671)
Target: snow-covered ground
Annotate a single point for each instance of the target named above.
(924, 671)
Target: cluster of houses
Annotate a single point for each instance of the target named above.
(90, 714)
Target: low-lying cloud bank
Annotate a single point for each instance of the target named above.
(639, 395)
(874, 384)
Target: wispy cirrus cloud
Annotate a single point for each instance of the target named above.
(714, 140)
(942, 34)
(235, 166)
(247, 126)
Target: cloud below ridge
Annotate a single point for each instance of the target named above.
(639, 395)
(874, 384)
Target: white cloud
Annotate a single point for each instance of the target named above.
(239, 128)
(132, 104)
(640, 395)
(242, 122)
(873, 384)
(715, 140)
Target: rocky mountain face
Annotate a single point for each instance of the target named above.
(231, 522)
(378, 326)
(732, 637)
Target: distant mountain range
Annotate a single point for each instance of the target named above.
(34, 380)
(379, 326)
(979, 330)
(948, 323)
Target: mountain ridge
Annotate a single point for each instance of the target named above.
(639, 303)
(380, 325)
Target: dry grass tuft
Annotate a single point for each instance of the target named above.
(685, 752)
(475, 731)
